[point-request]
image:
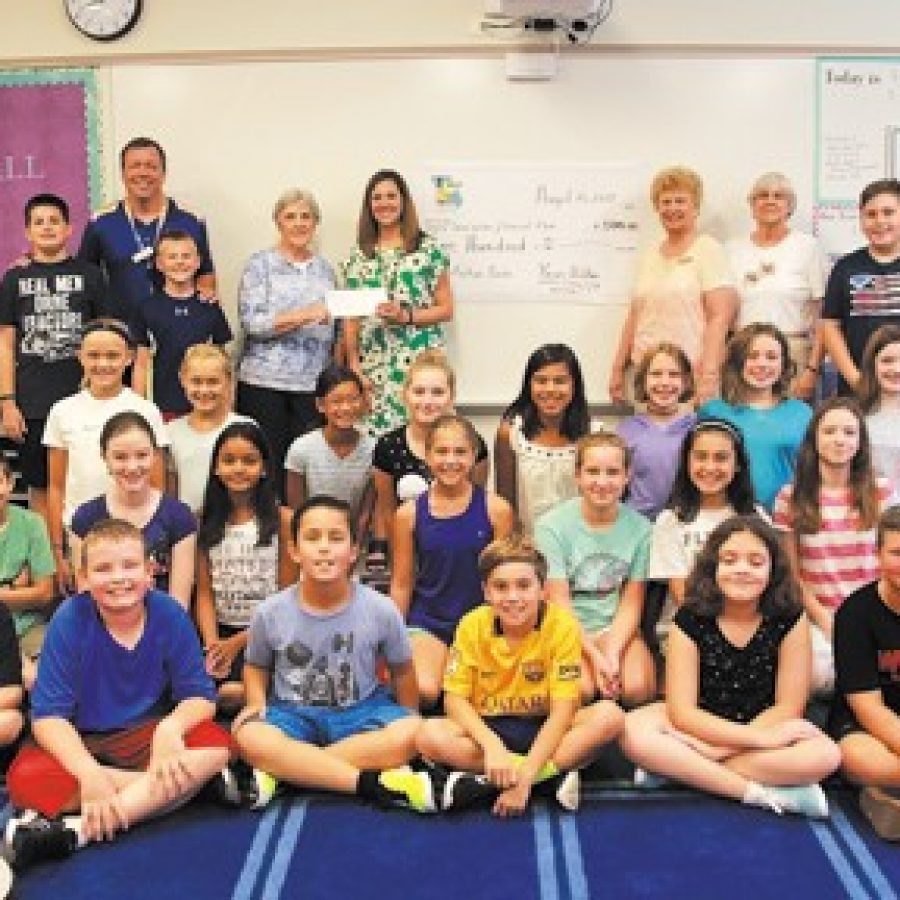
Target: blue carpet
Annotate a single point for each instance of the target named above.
(621, 845)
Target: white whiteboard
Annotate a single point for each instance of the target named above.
(239, 133)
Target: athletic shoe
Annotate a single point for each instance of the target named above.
(881, 806)
(803, 800)
(406, 789)
(258, 789)
(568, 789)
(223, 789)
(649, 780)
(465, 790)
(6, 879)
(32, 838)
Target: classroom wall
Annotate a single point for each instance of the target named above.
(37, 32)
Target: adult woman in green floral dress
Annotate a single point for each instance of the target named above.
(394, 253)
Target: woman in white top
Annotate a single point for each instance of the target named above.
(683, 290)
(780, 276)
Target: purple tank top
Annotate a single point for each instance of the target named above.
(447, 583)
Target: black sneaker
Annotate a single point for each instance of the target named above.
(466, 790)
(33, 838)
(222, 789)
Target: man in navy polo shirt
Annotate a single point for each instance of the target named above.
(122, 239)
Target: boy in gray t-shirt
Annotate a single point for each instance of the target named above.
(316, 712)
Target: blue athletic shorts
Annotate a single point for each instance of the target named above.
(324, 725)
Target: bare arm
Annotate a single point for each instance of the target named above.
(461, 711)
(833, 339)
(60, 739)
(720, 307)
(29, 594)
(385, 505)
(622, 356)
(205, 607)
(501, 515)
(287, 568)
(57, 464)
(404, 557)
(140, 373)
(295, 489)
(818, 614)
(181, 571)
(12, 419)
(441, 307)
(406, 690)
(627, 619)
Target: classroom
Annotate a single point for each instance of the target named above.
(530, 151)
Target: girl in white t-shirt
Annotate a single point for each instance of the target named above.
(712, 484)
(242, 551)
(879, 397)
(534, 451)
(208, 382)
(76, 471)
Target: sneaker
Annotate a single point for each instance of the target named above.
(407, 789)
(32, 838)
(258, 789)
(223, 789)
(568, 790)
(649, 780)
(464, 790)
(6, 879)
(803, 800)
(881, 806)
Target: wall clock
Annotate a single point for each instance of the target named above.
(103, 20)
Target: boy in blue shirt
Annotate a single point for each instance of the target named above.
(121, 710)
(172, 320)
(316, 714)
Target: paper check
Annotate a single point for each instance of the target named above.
(354, 304)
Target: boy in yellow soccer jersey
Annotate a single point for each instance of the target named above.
(511, 693)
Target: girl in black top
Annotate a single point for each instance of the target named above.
(737, 681)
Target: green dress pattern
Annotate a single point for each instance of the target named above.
(385, 351)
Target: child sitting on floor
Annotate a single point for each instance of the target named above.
(512, 692)
(121, 710)
(316, 715)
(865, 717)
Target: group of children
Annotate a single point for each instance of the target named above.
(539, 613)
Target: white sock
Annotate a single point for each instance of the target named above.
(757, 795)
(73, 823)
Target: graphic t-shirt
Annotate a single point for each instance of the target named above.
(327, 659)
(49, 304)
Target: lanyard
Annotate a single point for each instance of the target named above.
(144, 253)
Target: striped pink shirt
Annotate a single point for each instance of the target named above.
(838, 559)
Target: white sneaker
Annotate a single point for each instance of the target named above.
(568, 792)
(802, 800)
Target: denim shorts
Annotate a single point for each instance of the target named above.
(324, 725)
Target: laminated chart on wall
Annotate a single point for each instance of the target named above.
(542, 233)
(857, 140)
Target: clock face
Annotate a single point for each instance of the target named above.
(103, 20)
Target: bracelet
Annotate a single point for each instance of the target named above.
(410, 316)
(7, 397)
